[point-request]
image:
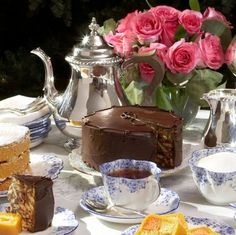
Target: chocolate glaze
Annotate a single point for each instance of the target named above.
(106, 136)
(44, 200)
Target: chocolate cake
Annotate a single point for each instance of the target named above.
(141, 133)
(32, 198)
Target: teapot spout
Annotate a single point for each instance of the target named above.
(49, 89)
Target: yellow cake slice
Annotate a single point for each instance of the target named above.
(202, 230)
(172, 224)
(10, 224)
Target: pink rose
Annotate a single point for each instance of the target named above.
(212, 54)
(211, 13)
(122, 42)
(124, 24)
(146, 27)
(160, 48)
(146, 71)
(169, 17)
(191, 21)
(168, 33)
(182, 57)
(166, 13)
(230, 55)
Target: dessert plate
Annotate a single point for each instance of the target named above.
(48, 165)
(64, 222)
(167, 201)
(76, 162)
(221, 228)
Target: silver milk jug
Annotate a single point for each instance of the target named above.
(221, 127)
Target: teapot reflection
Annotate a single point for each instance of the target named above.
(221, 130)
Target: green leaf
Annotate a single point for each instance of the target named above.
(202, 82)
(194, 5)
(180, 33)
(108, 25)
(134, 93)
(162, 100)
(219, 28)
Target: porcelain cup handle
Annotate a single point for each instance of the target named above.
(157, 190)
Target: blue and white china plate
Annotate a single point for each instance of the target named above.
(221, 228)
(76, 162)
(168, 201)
(64, 222)
(48, 165)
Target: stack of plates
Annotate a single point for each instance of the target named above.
(38, 122)
(39, 129)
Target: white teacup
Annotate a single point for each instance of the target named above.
(131, 183)
(214, 172)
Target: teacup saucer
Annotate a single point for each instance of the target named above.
(64, 221)
(167, 201)
(220, 228)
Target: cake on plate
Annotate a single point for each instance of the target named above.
(137, 132)
(32, 198)
(14, 152)
(172, 224)
(10, 223)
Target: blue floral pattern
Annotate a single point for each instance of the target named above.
(202, 175)
(167, 201)
(64, 220)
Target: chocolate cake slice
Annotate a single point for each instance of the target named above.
(32, 197)
(137, 132)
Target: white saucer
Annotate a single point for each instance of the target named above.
(48, 165)
(221, 228)
(64, 222)
(76, 162)
(168, 201)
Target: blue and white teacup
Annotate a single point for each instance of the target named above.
(131, 183)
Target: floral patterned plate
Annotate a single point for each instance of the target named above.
(167, 201)
(47, 165)
(221, 228)
(64, 222)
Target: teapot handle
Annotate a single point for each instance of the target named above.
(154, 62)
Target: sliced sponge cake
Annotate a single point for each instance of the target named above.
(14, 152)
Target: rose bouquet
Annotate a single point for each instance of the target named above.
(191, 46)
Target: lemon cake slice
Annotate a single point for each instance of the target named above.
(172, 224)
(14, 152)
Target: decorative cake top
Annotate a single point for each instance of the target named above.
(132, 118)
(10, 133)
(35, 180)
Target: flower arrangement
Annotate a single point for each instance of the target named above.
(191, 46)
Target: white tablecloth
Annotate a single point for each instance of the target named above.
(70, 184)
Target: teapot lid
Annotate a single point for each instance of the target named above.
(93, 50)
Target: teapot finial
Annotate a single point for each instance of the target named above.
(94, 27)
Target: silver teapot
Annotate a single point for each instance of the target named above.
(94, 81)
